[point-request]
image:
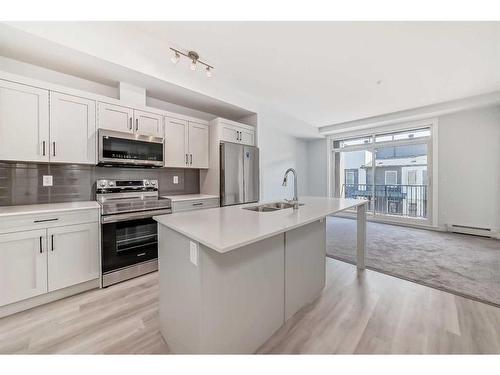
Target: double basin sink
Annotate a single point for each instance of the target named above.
(271, 207)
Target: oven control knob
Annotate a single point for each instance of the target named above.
(153, 182)
(111, 183)
(146, 183)
(102, 183)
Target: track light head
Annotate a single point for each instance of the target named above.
(209, 72)
(175, 58)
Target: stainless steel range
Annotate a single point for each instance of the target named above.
(129, 237)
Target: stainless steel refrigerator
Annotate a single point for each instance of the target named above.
(239, 174)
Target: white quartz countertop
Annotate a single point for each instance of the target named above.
(227, 228)
(189, 197)
(34, 209)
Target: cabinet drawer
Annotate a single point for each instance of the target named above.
(19, 223)
(195, 204)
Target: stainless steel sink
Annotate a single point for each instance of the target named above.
(270, 207)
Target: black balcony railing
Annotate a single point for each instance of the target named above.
(399, 200)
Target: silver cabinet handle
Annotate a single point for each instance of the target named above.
(43, 148)
(198, 204)
(136, 124)
(237, 135)
(187, 159)
(54, 148)
(41, 249)
(191, 159)
(52, 242)
(130, 123)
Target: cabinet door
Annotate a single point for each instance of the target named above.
(198, 145)
(73, 255)
(23, 265)
(148, 123)
(115, 117)
(247, 137)
(24, 122)
(176, 143)
(72, 129)
(229, 133)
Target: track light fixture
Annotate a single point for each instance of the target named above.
(195, 60)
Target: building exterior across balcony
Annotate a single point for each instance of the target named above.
(399, 185)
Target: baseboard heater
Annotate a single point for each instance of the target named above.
(464, 229)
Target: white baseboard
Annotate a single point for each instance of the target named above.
(48, 297)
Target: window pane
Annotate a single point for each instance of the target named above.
(351, 179)
(401, 180)
(406, 135)
(352, 142)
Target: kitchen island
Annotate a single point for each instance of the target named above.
(230, 276)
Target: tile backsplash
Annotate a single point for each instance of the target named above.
(21, 183)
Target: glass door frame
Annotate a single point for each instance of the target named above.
(372, 146)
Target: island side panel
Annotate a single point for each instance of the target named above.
(180, 293)
(243, 296)
(305, 262)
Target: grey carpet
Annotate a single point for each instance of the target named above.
(462, 264)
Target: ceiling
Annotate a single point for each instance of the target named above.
(320, 72)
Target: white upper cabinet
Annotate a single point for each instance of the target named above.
(198, 145)
(247, 137)
(72, 129)
(176, 143)
(24, 122)
(186, 144)
(229, 133)
(147, 123)
(129, 120)
(72, 255)
(237, 133)
(115, 117)
(23, 265)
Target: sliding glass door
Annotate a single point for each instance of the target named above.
(354, 181)
(389, 170)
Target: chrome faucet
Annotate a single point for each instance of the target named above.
(295, 199)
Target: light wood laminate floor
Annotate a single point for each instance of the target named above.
(365, 312)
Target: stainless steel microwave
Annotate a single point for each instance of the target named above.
(128, 149)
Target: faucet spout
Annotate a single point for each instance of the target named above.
(295, 200)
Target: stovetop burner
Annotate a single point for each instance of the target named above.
(120, 196)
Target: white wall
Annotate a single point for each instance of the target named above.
(279, 151)
(317, 160)
(469, 168)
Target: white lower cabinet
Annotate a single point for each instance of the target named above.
(38, 261)
(195, 204)
(23, 265)
(72, 255)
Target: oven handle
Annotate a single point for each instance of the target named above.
(133, 215)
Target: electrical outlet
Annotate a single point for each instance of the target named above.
(47, 180)
(176, 179)
(193, 252)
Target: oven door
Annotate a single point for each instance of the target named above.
(117, 148)
(125, 243)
